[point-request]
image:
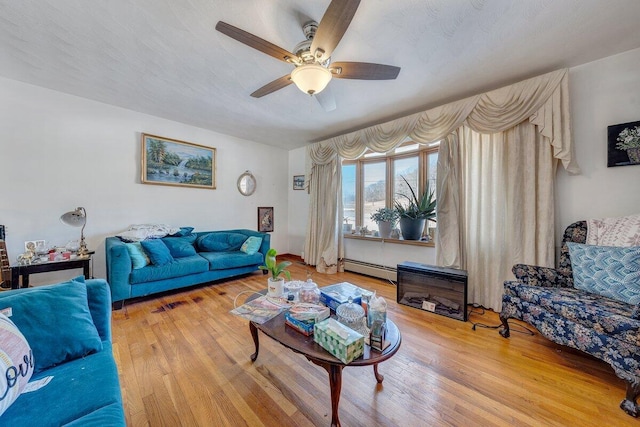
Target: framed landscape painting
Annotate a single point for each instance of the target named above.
(167, 161)
(298, 182)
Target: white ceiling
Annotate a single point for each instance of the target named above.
(164, 57)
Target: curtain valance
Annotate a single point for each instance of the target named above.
(543, 100)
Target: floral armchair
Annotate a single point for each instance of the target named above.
(605, 328)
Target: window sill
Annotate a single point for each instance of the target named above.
(394, 241)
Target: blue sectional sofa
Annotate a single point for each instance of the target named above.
(68, 327)
(196, 258)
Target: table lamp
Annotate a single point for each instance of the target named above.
(77, 218)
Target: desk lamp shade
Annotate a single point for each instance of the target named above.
(77, 218)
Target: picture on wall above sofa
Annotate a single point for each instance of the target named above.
(167, 161)
(623, 144)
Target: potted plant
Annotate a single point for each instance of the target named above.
(629, 140)
(386, 219)
(275, 284)
(415, 211)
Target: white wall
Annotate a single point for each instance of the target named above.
(298, 203)
(59, 151)
(603, 93)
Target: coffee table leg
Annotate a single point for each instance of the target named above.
(379, 377)
(335, 385)
(254, 334)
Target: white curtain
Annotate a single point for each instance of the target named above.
(542, 102)
(323, 243)
(502, 206)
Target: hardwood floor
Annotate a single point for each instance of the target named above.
(184, 361)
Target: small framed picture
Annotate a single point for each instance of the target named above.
(298, 182)
(265, 219)
(623, 144)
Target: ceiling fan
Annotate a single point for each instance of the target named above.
(312, 57)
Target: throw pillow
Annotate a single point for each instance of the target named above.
(56, 321)
(179, 246)
(221, 241)
(251, 245)
(158, 252)
(609, 271)
(16, 362)
(138, 256)
(184, 231)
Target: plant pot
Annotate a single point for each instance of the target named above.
(634, 155)
(384, 228)
(412, 228)
(275, 288)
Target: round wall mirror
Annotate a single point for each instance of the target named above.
(246, 184)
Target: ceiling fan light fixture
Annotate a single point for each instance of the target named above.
(311, 78)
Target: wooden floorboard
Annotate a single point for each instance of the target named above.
(183, 360)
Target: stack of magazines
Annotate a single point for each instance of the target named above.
(303, 316)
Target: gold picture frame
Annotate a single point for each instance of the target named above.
(167, 161)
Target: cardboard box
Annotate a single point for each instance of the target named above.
(339, 340)
(334, 295)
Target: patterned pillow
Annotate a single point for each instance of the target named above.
(609, 271)
(139, 258)
(16, 362)
(251, 245)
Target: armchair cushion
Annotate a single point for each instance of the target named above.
(589, 310)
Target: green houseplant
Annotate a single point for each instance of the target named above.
(386, 219)
(275, 284)
(414, 211)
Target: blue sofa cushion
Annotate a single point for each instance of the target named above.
(612, 272)
(139, 257)
(589, 310)
(223, 260)
(16, 362)
(179, 267)
(158, 252)
(220, 242)
(184, 231)
(180, 246)
(64, 305)
(81, 391)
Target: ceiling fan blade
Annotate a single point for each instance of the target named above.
(363, 71)
(275, 85)
(326, 99)
(332, 27)
(255, 42)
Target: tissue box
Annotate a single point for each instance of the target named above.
(339, 340)
(334, 295)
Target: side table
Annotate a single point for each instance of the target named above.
(24, 271)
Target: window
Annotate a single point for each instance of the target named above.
(374, 180)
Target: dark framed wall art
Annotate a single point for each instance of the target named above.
(623, 144)
(167, 161)
(265, 219)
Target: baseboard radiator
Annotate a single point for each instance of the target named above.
(369, 269)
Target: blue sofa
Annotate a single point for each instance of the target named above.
(210, 255)
(603, 327)
(85, 389)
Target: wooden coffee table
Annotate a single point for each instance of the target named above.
(277, 330)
